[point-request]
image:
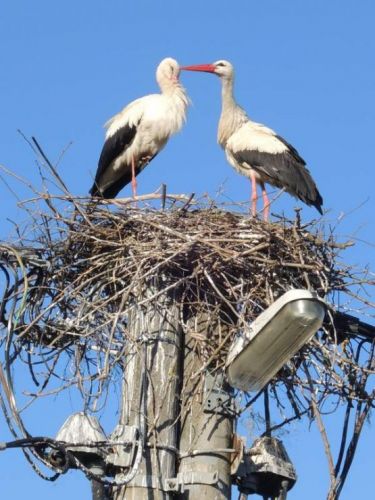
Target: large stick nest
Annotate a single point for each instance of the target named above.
(76, 273)
(86, 270)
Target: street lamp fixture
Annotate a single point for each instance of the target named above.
(273, 338)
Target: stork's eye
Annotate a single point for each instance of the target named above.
(220, 64)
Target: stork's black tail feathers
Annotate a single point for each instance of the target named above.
(318, 202)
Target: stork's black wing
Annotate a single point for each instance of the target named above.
(113, 147)
(284, 169)
(292, 150)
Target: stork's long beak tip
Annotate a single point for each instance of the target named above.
(208, 68)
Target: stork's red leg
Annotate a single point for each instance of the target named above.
(134, 182)
(254, 195)
(266, 203)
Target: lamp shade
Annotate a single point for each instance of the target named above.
(273, 338)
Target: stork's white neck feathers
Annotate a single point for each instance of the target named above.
(232, 115)
(167, 109)
(169, 85)
(167, 77)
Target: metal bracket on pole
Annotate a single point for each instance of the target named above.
(174, 484)
(177, 484)
(216, 398)
(123, 455)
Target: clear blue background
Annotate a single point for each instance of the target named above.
(305, 69)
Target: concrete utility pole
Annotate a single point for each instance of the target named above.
(206, 428)
(151, 394)
(181, 459)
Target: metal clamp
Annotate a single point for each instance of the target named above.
(122, 455)
(177, 484)
(174, 484)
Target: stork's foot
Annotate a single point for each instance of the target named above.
(252, 212)
(266, 213)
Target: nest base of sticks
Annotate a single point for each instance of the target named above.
(107, 287)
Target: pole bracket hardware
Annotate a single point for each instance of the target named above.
(177, 484)
(122, 455)
(174, 484)
(217, 397)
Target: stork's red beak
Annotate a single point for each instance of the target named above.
(208, 68)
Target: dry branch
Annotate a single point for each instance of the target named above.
(72, 283)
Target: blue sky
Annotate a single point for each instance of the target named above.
(305, 69)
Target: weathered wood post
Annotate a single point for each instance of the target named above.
(151, 386)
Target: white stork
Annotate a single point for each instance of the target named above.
(257, 151)
(137, 134)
